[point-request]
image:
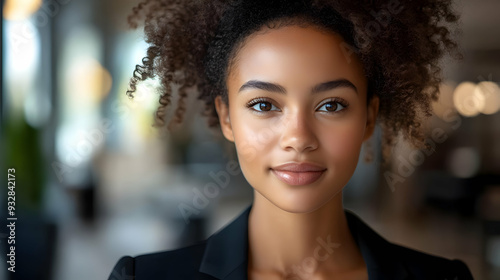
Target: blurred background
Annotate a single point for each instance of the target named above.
(95, 181)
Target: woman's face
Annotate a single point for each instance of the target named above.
(296, 97)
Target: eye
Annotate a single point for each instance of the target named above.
(332, 106)
(262, 105)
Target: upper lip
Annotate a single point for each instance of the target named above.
(299, 167)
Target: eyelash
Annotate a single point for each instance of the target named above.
(256, 101)
(259, 100)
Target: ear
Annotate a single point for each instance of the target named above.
(371, 117)
(223, 113)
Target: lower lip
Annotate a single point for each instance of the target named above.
(298, 178)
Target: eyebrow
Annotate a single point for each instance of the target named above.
(271, 87)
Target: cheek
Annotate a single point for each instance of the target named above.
(254, 139)
(343, 143)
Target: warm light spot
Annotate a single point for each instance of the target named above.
(89, 80)
(467, 100)
(445, 102)
(491, 93)
(20, 9)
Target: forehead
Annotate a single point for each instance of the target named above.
(295, 53)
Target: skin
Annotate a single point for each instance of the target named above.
(296, 126)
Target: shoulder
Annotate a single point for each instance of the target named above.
(423, 265)
(222, 255)
(182, 263)
(389, 260)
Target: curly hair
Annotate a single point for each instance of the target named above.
(192, 44)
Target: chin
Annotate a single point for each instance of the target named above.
(300, 202)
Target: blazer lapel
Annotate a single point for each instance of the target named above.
(225, 255)
(381, 260)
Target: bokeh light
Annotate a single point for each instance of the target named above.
(89, 80)
(467, 100)
(20, 9)
(445, 102)
(464, 162)
(491, 93)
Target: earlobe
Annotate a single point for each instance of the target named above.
(224, 121)
(371, 117)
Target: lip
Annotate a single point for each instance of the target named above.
(298, 174)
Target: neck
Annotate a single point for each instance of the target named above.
(287, 243)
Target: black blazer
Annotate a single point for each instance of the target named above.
(224, 256)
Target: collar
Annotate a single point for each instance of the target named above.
(382, 261)
(226, 251)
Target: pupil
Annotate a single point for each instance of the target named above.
(330, 106)
(264, 106)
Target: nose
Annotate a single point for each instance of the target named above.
(298, 133)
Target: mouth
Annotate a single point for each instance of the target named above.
(298, 174)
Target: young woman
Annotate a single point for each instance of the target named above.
(297, 86)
